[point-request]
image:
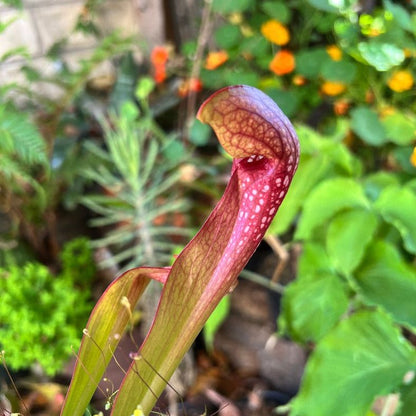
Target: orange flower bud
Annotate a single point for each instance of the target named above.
(299, 80)
(369, 96)
(283, 62)
(188, 86)
(158, 58)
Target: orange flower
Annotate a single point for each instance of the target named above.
(216, 59)
(334, 52)
(282, 63)
(401, 81)
(159, 74)
(188, 86)
(333, 88)
(275, 32)
(159, 55)
(413, 157)
(158, 58)
(341, 107)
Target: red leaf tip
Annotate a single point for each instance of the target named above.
(252, 128)
(247, 122)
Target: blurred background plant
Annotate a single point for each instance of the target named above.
(42, 314)
(38, 172)
(346, 71)
(139, 174)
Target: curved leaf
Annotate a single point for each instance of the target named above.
(327, 199)
(397, 205)
(312, 306)
(385, 279)
(349, 234)
(252, 129)
(105, 326)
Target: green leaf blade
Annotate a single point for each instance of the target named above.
(352, 365)
(215, 320)
(366, 124)
(104, 330)
(385, 279)
(312, 170)
(327, 199)
(397, 205)
(349, 234)
(312, 305)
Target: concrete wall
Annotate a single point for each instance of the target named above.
(43, 22)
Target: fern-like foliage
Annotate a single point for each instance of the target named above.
(20, 138)
(140, 191)
(23, 160)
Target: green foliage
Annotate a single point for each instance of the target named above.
(39, 159)
(344, 53)
(20, 139)
(138, 172)
(355, 280)
(330, 303)
(23, 155)
(77, 262)
(363, 357)
(366, 124)
(42, 315)
(215, 320)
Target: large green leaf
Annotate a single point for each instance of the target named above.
(313, 259)
(366, 124)
(385, 279)
(349, 233)
(277, 10)
(215, 320)
(324, 5)
(105, 327)
(382, 56)
(376, 182)
(399, 128)
(342, 71)
(312, 305)
(326, 200)
(397, 205)
(227, 36)
(329, 148)
(309, 62)
(401, 15)
(362, 357)
(312, 170)
(407, 405)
